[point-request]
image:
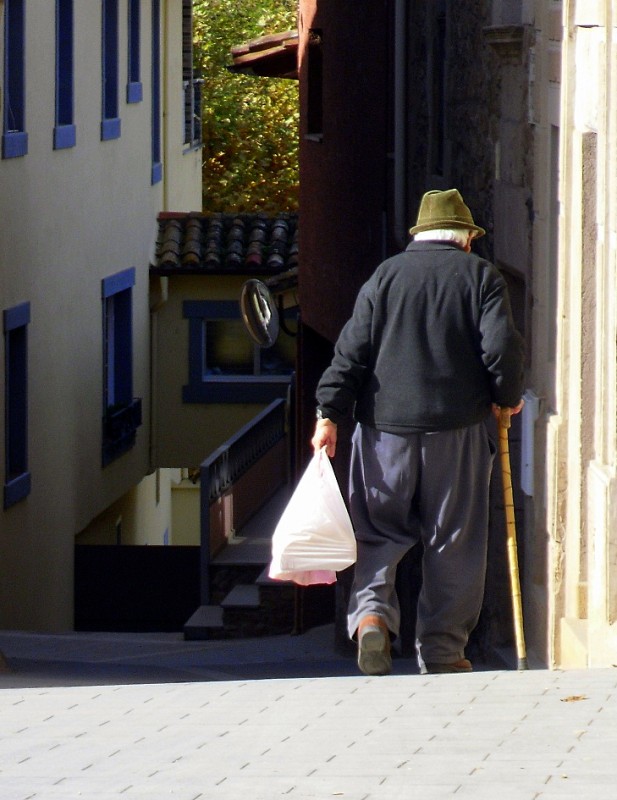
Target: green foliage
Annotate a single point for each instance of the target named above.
(250, 124)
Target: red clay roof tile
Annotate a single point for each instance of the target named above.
(225, 243)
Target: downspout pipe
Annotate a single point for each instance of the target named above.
(165, 45)
(401, 223)
(157, 301)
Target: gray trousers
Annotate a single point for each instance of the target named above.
(431, 488)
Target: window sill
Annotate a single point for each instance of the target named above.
(64, 137)
(238, 389)
(157, 173)
(134, 93)
(110, 129)
(17, 489)
(14, 144)
(191, 148)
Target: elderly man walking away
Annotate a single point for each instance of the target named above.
(429, 351)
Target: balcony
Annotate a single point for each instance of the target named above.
(120, 424)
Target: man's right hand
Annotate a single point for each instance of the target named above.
(325, 436)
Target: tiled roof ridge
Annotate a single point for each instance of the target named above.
(221, 242)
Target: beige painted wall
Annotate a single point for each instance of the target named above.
(186, 508)
(181, 191)
(185, 434)
(69, 219)
(142, 516)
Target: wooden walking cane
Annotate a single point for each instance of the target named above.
(508, 497)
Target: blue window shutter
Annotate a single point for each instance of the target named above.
(123, 336)
(157, 166)
(134, 90)
(14, 136)
(121, 411)
(64, 130)
(110, 124)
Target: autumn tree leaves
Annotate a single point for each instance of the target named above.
(250, 136)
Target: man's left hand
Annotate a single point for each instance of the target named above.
(498, 410)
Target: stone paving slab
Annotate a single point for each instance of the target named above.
(536, 735)
(79, 723)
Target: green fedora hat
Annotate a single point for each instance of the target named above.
(444, 209)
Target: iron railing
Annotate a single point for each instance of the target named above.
(227, 464)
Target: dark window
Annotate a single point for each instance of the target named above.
(134, 91)
(64, 130)
(157, 167)
(190, 80)
(14, 136)
(121, 411)
(17, 480)
(314, 113)
(225, 366)
(110, 125)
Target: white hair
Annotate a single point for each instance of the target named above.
(458, 235)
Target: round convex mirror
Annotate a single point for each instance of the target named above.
(259, 312)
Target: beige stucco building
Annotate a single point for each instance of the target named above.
(97, 140)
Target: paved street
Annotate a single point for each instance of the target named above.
(102, 716)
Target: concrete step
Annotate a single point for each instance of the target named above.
(243, 595)
(244, 551)
(205, 621)
(263, 579)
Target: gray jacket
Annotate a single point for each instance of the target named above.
(430, 345)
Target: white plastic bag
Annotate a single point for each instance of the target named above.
(314, 537)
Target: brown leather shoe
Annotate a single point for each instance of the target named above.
(464, 665)
(374, 656)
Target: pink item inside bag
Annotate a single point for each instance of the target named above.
(314, 538)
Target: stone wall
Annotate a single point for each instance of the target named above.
(487, 135)
(488, 156)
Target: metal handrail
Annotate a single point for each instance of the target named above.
(227, 464)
